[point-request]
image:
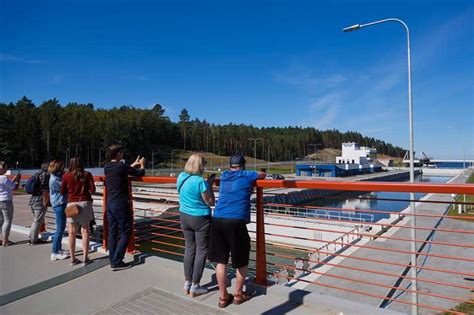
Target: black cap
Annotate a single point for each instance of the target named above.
(237, 160)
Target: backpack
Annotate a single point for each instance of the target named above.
(32, 186)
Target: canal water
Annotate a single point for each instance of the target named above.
(382, 201)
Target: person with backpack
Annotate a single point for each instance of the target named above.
(78, 185)
(195, 199)
(6, 203)
(38, 187)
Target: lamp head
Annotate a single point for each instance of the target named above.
(351, 28)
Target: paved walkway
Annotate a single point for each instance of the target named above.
(32, 284)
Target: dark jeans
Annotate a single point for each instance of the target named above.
(196, 238)
(60, 227)
(119, 216)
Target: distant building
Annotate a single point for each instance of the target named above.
(352, 153)
(355, 160)
(387, 162)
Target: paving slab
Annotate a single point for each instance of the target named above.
(133, 291)
(22, 214)
(23, 266)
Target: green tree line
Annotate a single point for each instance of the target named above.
(31, 134)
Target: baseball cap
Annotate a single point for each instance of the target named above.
(237, 160)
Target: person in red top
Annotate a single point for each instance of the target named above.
(78, 185)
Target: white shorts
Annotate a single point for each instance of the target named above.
(86, 213)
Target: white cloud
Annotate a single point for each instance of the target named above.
(302, 77)
(18, 59)
(324, 111)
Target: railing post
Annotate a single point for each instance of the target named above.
(261, 276)
(105, 222)
(131, 244)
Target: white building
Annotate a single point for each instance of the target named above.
(353, 154)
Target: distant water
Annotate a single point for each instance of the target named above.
(453, 164)
(373, 200)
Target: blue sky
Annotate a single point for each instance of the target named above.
(265, 63)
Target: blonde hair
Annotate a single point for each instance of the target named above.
(195, 164)
(56, 166)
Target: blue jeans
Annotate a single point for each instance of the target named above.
(60, 227)
(119, 216)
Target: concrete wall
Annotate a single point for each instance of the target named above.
(299, 228)
(441, 171)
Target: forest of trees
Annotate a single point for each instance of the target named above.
(31, 134)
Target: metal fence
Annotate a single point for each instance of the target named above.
(343, 251)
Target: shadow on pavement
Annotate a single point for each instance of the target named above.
(295, 299)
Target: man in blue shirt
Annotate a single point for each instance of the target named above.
(228, 228)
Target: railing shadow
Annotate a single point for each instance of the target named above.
(295, 300)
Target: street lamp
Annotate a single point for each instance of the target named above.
(355, 27)
(291, 155)
(67, 157)
(152, 163)
(315, 145)
(255, 151)
(268, 159)
(172, 165)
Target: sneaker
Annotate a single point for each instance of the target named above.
(197, 290)
(64, 252)
(121, 266)
(58, 256)
(187, 287)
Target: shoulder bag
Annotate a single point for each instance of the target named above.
(182, 183)
(73, 210)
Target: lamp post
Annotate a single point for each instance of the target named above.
(255, 151)
(268, 159)
(67, 157)
(172, 165)
(315, 145)
(100, 157)
(465, 174)
(414, 284)
(291, 155)
(152, 163)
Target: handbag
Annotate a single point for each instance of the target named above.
(46, 199)
(72, 211)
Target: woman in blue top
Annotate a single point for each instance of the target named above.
(195, 199)
(58, 201)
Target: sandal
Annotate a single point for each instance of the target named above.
(75, 262)
(86, 262)
(241, 298)
(225, 302)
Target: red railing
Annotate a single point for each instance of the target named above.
(352, 262)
